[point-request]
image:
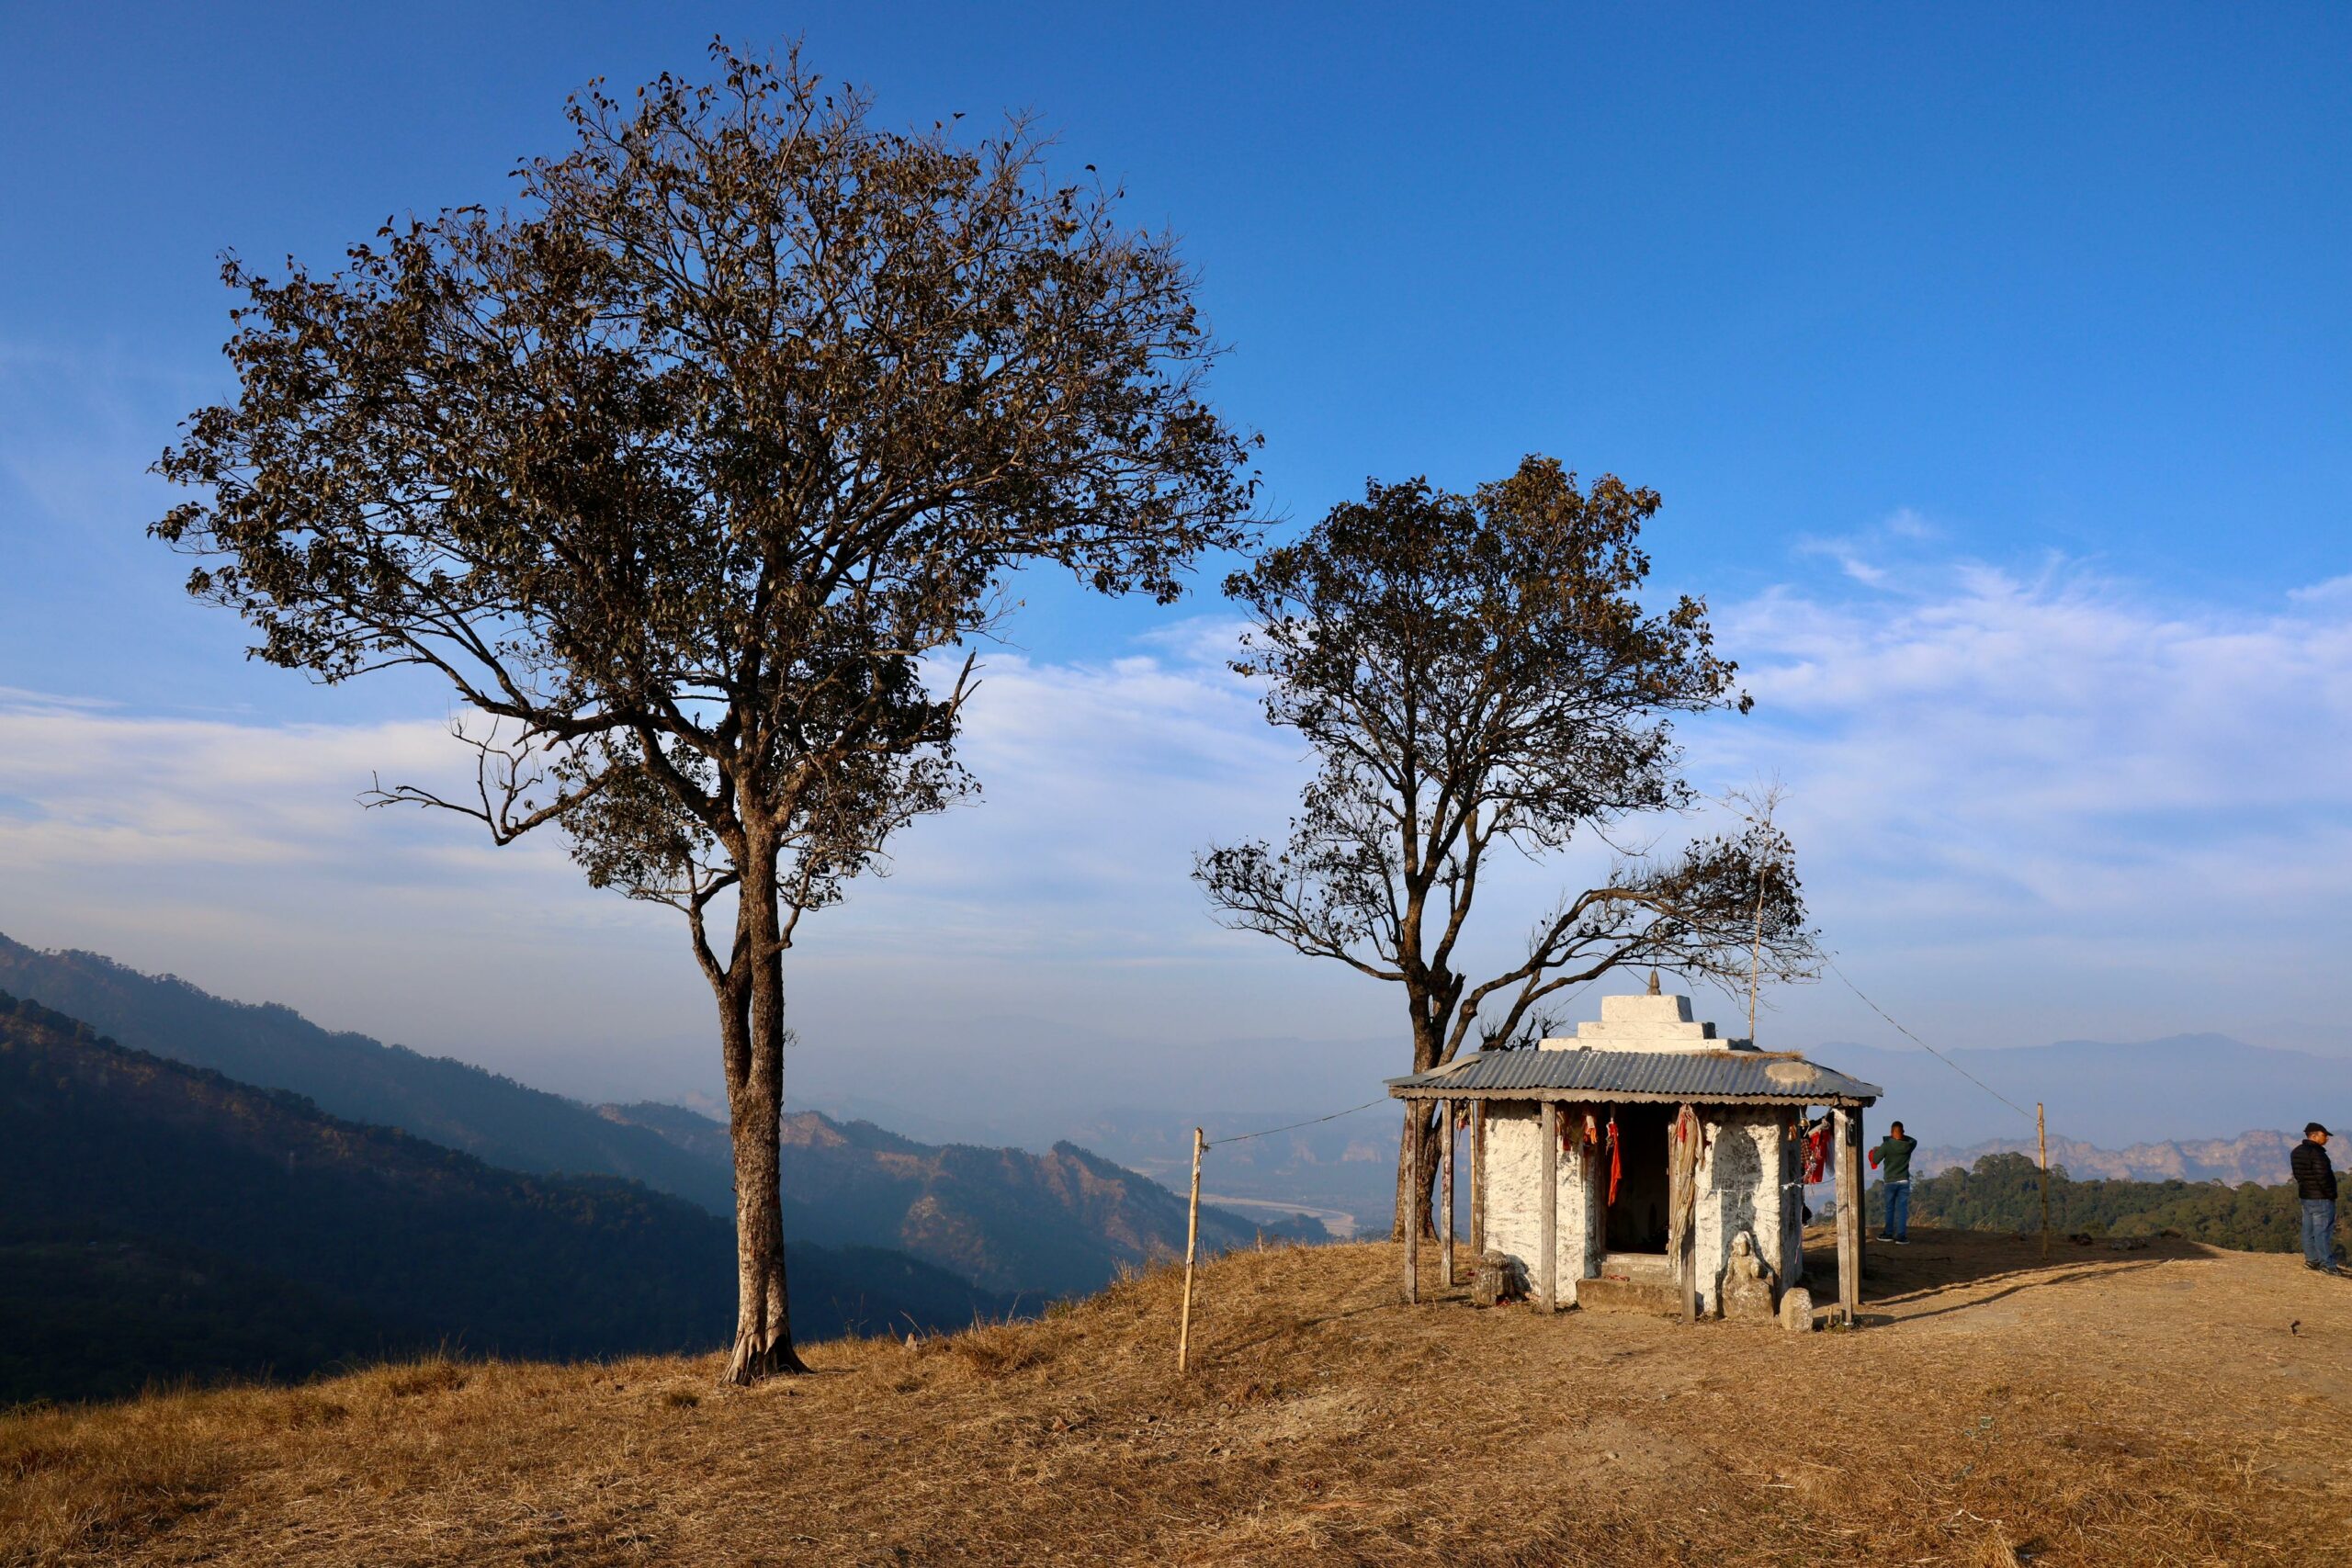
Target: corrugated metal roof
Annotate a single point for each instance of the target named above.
(1645, 1075)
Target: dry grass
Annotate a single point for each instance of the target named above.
(2144, 1407)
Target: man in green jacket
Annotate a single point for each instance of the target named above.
(1894, 1158)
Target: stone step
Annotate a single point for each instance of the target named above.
(1655, 1298)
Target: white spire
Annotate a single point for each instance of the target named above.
(1651, 1022)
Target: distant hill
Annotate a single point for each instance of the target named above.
(2259, 1156)
(2185, 1086)
(449, 1103)
(1036, 1225)
(163, 1221)
(1057, 1224)
(1347, 1163)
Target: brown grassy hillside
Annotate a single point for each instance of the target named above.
(2169, 1404)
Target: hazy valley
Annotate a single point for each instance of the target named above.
(201, 1188)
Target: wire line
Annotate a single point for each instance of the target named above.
(1311, 1120)
(1923, 1045)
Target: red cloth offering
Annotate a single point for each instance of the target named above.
(1615, 1169)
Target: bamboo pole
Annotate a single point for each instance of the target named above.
(1756, 957)
(1445, 1184)
(1548, 1251)
(2042, 1137)
(1191, 1252)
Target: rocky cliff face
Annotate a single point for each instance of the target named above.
(2259, 1154)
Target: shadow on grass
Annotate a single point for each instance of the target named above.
(1295, 1328)
(1936, 1264)
(2036, 1280)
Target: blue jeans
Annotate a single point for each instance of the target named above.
(1898, 1211)
(2319, 1231)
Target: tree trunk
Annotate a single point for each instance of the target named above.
(763, 1318)
(1418, 1147)
(1407, 1210)
(1417, 1151)
(751, 1025)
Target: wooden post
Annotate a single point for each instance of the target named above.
(2042, 1137)
(1547, 1253)
(1477, 1179)
(1446, 1186)
(1861, 1210)
(1850, 1216)
(1191, 1251)
(1413, 1226)
(1686, 1201)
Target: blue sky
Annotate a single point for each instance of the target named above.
(1992, 363)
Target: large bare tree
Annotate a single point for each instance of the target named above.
(1476, 673)
(693, 476)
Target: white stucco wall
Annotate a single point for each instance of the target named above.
(1515, 1198)
(1740, 1188)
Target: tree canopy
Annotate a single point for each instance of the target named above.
(1477, 673)
(695, 473)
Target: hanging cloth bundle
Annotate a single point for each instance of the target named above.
(1816, 1155)
(1615, 1166)
(1683, 1172)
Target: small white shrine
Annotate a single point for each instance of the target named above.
(1645, 1163)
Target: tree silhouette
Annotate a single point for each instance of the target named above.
(1474, 674)
(693, 476)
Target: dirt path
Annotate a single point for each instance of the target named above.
(2168, 1405)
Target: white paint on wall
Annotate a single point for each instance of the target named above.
(1515, 1197)
(1739, 1189)
(1741, 1177)
(1745, 1174)
(1643, 1024)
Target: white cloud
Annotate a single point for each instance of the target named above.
(2030, 805)
(2334, 590)
(1877, 555)
(2081, 808)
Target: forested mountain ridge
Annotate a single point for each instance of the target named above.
(165, 1220)
(2003, 1193)
(1009, 1221)
(2258, 1154)
(1058, 1223)
(352, 1075)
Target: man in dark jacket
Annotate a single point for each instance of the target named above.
(2316, 1185)
(1894, 1153)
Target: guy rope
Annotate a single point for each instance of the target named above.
(2041, 1126)
(1193, 1217)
